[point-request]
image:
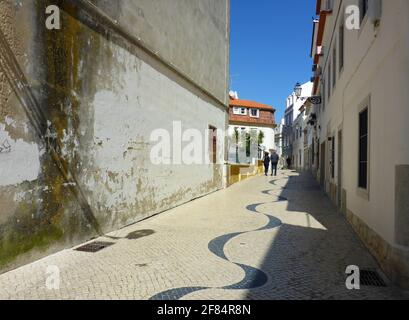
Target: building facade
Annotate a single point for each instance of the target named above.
(362, 75)
(278, 132)
(249, 118)
(292, 111)
(83, 107)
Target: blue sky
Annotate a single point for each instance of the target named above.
(270, 46)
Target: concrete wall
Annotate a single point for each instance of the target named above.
(376, 71)
(97, 93)
(198, 31)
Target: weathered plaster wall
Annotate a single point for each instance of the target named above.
(101, 96)
(38, 214)
(198, 29)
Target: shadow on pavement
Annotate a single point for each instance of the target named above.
(308, 258)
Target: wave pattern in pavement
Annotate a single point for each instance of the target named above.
(254, 278)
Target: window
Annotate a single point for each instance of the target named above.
(313, 153)
(236, 110)
(363, 6)
(334, 67)
(300, 157)
(341, 46)
(213, 144)
(254, 113)
(329, 81)
(363, 149)
(243, 111)
(323, 95)
(332, 164)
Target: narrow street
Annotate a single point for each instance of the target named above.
(264, 238)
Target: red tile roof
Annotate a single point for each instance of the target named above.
(250, 104)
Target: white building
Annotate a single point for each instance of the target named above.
(84, 110)
(299, 145)
(278, 133)
(250, 118)
(279, 142)
(293, 106)
(363, 76)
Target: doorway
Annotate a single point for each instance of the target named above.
(339, 188)
(323, 168)
(213, 144)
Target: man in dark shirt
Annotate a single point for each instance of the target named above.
(266, 162)
(274, 162)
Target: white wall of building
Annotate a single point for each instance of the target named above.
(269, 137)
(375, 74)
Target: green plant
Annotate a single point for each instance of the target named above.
(248, 144)
(261, 137)
(237, 136)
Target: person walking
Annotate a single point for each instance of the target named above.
(274, 163)
(288, 163)
(266, 161)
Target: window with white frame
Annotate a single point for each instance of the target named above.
(236, 110)
(243, 111)
(255, 113)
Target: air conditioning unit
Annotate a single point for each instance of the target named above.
(375, 10)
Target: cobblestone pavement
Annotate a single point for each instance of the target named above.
(265, 238)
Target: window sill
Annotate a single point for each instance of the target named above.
(363, 193)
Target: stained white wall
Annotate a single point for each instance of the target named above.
(376, 66)
(140, 101)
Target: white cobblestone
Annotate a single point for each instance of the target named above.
(304, 258)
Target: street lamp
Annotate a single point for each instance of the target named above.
(298, 90)
(298, 93)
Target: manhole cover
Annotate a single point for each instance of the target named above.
(94, 246)
(371, 278)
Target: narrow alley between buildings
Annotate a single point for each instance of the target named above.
(265, 238)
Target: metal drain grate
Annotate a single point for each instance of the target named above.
(371, 278)
(94, 246)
